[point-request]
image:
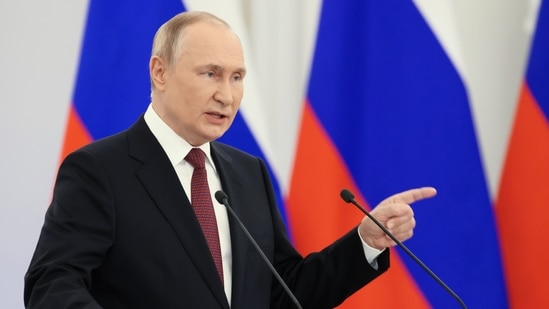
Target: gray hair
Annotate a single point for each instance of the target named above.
(168, 38)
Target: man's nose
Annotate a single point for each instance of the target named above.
(224, 93)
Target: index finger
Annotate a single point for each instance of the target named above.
(411, 196)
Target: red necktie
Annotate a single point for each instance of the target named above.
(203, 207)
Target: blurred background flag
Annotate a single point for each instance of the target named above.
(523, 200)
(112, 84)
(386, 111)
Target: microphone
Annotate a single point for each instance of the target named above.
(348, 197)
(222, 198)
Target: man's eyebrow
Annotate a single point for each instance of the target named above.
(211, 66)
(242, 70)
(218, 68)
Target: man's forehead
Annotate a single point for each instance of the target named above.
(205, 29)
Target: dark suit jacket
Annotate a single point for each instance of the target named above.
(121, 233)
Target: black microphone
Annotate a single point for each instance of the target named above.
(222, 198)
(348, 197)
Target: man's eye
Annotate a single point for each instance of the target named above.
(209, 74)
(237, 77)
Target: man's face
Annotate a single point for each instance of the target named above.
(200, 95)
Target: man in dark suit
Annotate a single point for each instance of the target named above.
(121, 231)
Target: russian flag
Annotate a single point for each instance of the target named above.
(386, 111)
(112, 86)
(522, 202)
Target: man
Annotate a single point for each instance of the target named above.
(124, 229)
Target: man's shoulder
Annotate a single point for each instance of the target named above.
(107, 143)
(118, 140)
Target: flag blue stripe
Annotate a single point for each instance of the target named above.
(538, 68)
(112, 87)
(398, 112)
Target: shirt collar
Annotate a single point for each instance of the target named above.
(174, 145)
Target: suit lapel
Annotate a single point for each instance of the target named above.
(160, 180)
(232, 186)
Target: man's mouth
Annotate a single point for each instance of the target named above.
(217, 115)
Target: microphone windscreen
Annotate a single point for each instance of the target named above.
(346, 195)
(220, 196)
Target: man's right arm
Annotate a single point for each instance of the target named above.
(77, 232)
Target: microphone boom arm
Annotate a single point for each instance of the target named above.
(222, 198)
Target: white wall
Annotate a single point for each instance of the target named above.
(39, 46)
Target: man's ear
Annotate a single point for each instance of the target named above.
(157, 69)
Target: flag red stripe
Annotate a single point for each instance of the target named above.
(76, 134)
(522, 207)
